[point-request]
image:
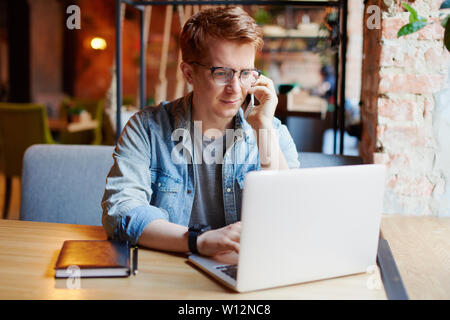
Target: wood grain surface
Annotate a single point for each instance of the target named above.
(28, 252)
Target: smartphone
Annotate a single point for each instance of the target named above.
(249, 103)
(246, 102)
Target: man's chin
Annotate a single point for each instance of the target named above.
(228, 113)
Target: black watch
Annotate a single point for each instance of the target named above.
(194, 231)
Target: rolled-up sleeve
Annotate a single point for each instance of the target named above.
(126, 200)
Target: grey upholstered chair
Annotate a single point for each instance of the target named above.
(64, 183)
(315, 159)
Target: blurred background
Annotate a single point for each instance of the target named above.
(57, 83)
(70, 72)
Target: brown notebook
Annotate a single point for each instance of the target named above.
(93, 258)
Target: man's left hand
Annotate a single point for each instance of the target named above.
(261, 116)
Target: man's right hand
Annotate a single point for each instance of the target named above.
(220, 240)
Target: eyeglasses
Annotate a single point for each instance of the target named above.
(224, 76)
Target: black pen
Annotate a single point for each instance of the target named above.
(135, 260)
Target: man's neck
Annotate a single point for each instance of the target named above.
(208, 121)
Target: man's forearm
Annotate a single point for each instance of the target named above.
(163, 235)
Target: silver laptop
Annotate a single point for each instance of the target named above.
(303, 225)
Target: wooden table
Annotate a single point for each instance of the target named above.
(421, 247)
(61, 125)
(28, 252)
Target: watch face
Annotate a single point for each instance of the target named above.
(197, 227)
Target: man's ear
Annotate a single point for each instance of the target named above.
(187, 72)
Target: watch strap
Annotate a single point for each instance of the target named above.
(193, 233)
(192, 240)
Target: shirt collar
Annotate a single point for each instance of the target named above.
(182, 112)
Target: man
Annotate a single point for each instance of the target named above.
(159, 186)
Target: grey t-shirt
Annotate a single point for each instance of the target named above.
(208, 207)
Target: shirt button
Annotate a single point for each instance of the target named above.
(189, 191)
(228, 189)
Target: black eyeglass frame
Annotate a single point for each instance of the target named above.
(212, 69)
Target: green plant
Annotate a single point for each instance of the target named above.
(75, 110)
(71, 107)
(330, 25)
(262, 17)
(417, 22)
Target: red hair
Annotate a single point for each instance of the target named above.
(225, 23)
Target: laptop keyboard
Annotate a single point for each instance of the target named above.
(230, 270)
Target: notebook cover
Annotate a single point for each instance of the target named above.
(89, 254)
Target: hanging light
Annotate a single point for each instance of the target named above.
(98, 43)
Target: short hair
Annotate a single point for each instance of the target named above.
(225, 23)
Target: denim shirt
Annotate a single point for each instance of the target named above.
(152, 178)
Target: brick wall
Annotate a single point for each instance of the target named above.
(401, 78)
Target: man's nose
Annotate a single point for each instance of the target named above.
(235, 83)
